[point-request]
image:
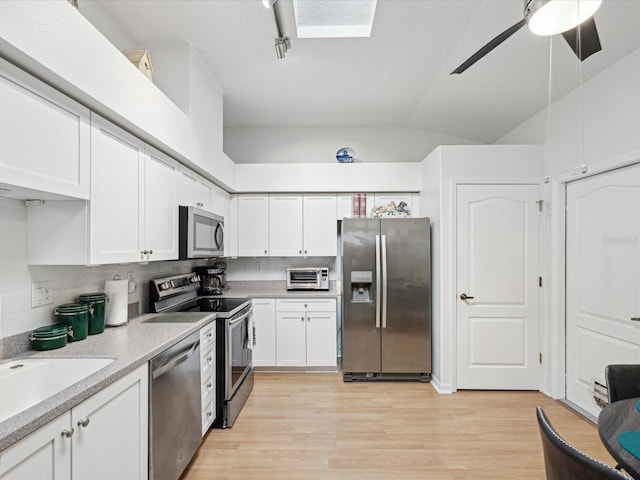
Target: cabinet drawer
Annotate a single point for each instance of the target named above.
(207, 336)
(208, 363)
(208, 416)
(208, 387)
(306, 304)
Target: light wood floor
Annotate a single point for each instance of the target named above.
(314, 426)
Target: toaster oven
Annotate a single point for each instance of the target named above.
(308, 278)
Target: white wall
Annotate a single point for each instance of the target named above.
(328, 177)
(596, 126)
(16, 314)
(320, 144)
(442, 170)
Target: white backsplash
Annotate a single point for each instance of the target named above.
(274, 268)
(16, 277)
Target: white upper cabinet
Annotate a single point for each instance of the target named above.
(253, 225)
(134, 196)
(44, 136)
(159, 199)
(320, 231)
(285, 225)
(132, 215)
(117, 166)
(298, 225)
(195, 191)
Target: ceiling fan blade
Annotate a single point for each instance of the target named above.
(589, 39)
(490, 46)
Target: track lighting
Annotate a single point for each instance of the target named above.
(282, 43)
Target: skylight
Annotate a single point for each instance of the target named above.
(334, 18)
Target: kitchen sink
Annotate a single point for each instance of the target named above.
(26, 382)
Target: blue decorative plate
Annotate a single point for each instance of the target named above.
(345, 155)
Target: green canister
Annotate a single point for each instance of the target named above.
(76, 315)
(96, 302)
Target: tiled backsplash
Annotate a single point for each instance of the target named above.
(16, 277)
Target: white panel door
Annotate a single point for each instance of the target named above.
(498, 264)
(264, 315)
(160, 200)
(285, 225)
(116, 157)
(602, 279)
(111, 431)
(291, 350)
(45, 454)
(253, 225)
(321, 339)
(320, 226)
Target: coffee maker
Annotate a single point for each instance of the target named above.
(213, 280)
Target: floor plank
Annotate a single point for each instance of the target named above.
(314, 426)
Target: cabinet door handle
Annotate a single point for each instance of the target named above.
(210, 334)
(83, 422)
(209, 385)
(300, 252)
(144, 252)
(305, 252)
(265, 252)
(209, 414)
(209, 359)
(68, 432)
(302, 318)
(150, 252)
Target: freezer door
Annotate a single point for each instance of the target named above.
(406, 327)
(360, 336)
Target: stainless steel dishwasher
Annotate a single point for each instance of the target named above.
(175, 410)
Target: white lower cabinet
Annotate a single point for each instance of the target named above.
(306, 332)
(264, 315)
(208, 375)
(104, 437)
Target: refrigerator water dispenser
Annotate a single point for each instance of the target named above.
(361, 285)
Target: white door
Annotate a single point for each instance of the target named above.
(602, 278)
(264, 315)
(320, 226)
(115, 181)
(321, 339)
(285, 225)
(160, 204)
(253, 225)
(498, 264)
(45, 454)
(291, 348)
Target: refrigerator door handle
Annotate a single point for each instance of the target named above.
(384, 281)
(377, 281)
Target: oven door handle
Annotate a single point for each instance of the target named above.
(235, 321)
(174, 362)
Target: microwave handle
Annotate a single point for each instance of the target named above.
(218, 236)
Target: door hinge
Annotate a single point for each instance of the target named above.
(539, 281)
(540, 203)
(540, 357)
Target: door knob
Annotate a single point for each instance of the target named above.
(84, 422)
(67, 432)
(464, 296)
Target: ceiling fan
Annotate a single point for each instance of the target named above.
(572, 18)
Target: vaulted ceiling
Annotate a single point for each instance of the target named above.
(397, 77)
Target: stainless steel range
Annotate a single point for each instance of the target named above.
(234, 337)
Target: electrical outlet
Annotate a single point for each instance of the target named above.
(41, 293)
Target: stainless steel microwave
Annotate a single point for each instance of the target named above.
(308, 278)
(201, 233)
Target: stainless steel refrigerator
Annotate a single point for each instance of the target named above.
(386, 265)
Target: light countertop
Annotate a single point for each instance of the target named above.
(130, 346)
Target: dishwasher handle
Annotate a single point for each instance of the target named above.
(174, 361)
